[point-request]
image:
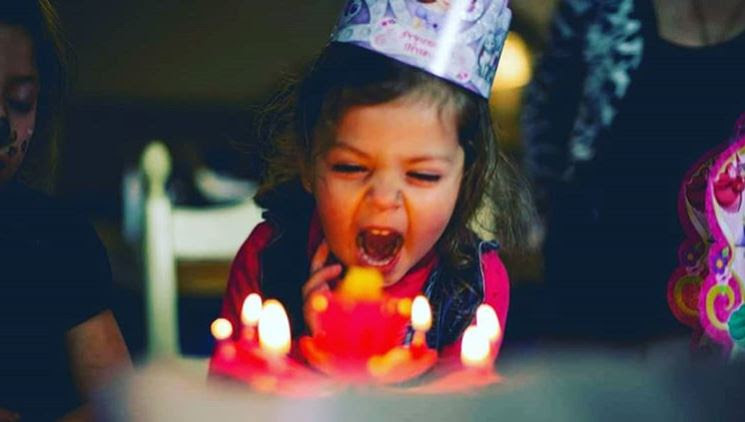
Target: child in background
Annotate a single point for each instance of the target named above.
(59, 340)
(376, 162)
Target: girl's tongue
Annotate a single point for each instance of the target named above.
(380, 245)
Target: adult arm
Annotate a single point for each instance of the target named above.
(94, 345)
(551, 100)
(97, 354)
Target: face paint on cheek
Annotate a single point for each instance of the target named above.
(29, 134)
(12, 154)
(17, 146)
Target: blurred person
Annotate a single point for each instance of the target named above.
(59, 341)
(628, 94)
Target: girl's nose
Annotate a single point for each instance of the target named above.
(385, 192)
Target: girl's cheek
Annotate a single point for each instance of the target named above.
(435, 218)
(334, 189)
(433, 209)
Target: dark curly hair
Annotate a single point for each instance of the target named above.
(493, 197)
(41, 24)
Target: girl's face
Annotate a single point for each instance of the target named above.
(387, 186)
(19, 89)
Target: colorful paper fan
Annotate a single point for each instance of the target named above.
(723, 288)
(684, 284)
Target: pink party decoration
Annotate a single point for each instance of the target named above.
(709, 282)
(722, 290)
(684, 285)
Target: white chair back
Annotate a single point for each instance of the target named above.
(181, 233)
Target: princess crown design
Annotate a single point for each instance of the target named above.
(458, 40)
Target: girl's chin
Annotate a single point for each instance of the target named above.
(390, 279)
(394, 275)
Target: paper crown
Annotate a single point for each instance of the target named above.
(458, 40)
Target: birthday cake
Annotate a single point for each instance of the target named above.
(358, 337)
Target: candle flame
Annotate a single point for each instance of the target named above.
(474, 349)
(251, 310)
(421, 314)
(361, 284)
(221, 329)
(403, 307)
(319, 303)
(274, 328)
(487, 320)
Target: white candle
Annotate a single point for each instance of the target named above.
(274, 329)
(487, 320)
(421, 321)
(250, 313)
(221, 329)
(474, 348)
(421, 314)
(251, 310)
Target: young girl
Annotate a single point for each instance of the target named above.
(59, 341)
(378, 163)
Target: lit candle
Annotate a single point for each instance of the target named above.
(421, 321)
(274, 329)
(474, 348)
(250, 313)
(487, 320)
(222, 330)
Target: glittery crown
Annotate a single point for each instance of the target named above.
(458, 40)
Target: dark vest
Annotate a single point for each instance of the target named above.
(285, 267)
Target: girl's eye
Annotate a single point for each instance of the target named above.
(424, 177)
(21, 98)
(348, 168)
(20, 106)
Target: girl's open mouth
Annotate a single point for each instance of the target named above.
(379, 247)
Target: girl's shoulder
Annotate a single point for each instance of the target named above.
(496, 282)
(257, 240)
(288, 207)
(492, 267)
(245, 269)
(495, 278)
(286, 200)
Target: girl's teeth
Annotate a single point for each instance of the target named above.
(372, 261)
